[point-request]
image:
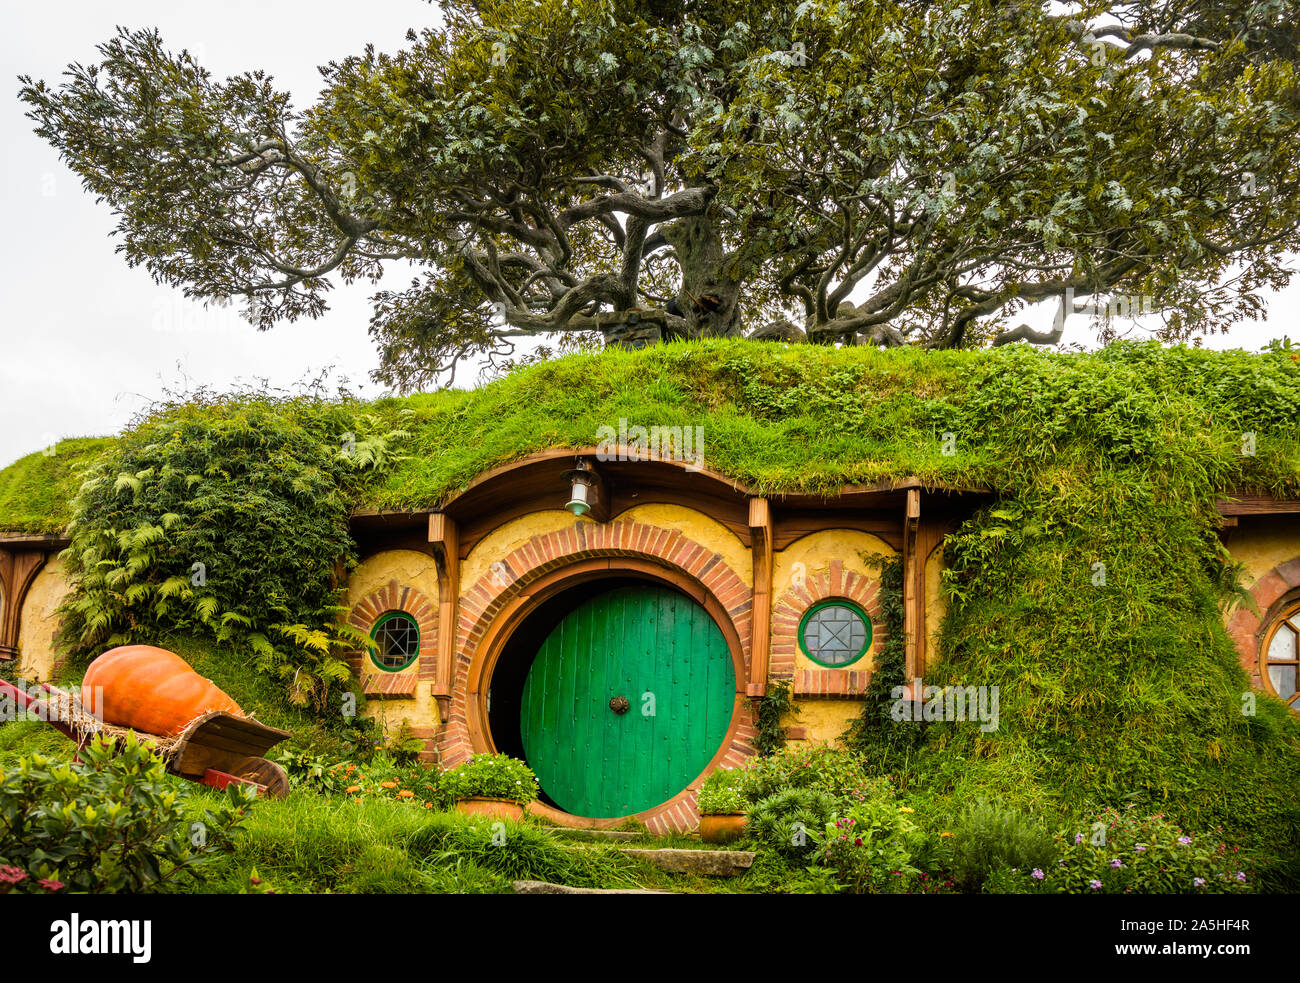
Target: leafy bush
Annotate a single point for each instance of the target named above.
(989, 837)
(115, 821)
(227, 518)
(787, 822)
(723, 792)
(403, 745)
(839, 774)
(491, 776)
(872, 847)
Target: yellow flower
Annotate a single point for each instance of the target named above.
(406, 793)
(388, 785)
(905, 809)
(356, 800)
(945, 834)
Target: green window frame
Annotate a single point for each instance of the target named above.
(397, 639)
(842, 631)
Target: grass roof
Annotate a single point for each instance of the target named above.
(36, 491)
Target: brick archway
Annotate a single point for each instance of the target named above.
(394, 597)
(832, 583)
(548, 563)
(1246, 628)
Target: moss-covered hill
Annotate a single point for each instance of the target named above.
(1123, 690)
(36, 491)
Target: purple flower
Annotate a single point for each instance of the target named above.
(1241, 876)
(1095, 884)
(1140, 848)
(1184, 840)
(1037, 875)
(1198, 881)
(1116, 863)
(1078, 837)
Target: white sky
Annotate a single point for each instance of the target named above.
(85, 341)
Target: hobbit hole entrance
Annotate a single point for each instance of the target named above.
(618, 697)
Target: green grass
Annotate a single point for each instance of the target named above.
(316, 844)
(36, 491)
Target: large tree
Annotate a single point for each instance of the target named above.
(882, 173)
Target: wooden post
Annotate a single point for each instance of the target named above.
(913, 587)
(444, 537)
(760, 547)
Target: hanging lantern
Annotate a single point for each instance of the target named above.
(581, 481)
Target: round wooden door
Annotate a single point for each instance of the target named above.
(628, 700)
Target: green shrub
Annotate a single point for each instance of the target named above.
(403, 746)
(115, 821)
(227, 517)
(723, 792)
(839, 774)
(491, 776)
(787, 822)
(989, 837)
(872, 847)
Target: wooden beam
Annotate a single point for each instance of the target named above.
(444, 537)
(760, 548)
(1257, 505)
(18, 568)
(913, 598)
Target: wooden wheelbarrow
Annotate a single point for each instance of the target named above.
(216, 749)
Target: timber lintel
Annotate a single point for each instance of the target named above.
(760, 540)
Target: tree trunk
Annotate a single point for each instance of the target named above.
(708, 298)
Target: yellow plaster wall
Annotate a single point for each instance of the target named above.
(823, 720)
(410, 569)
(816, 552)
(508, 537)
(38, 622)
(1264, 542)
(707, 531)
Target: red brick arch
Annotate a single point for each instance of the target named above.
(584, 550)
(830, 583)
(1246, 628)
(364, 614)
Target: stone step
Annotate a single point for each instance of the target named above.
(545, 887)
(706, 863)
(618, 835)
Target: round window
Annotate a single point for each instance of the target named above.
(397, 641)
(1282, 658)
(835, 633)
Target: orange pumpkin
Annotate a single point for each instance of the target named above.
(150, 690)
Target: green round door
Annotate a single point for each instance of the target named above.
(662, 653)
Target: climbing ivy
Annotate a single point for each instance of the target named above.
(874, 732)
(775, 706)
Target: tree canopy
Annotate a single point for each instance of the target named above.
(849, 171)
